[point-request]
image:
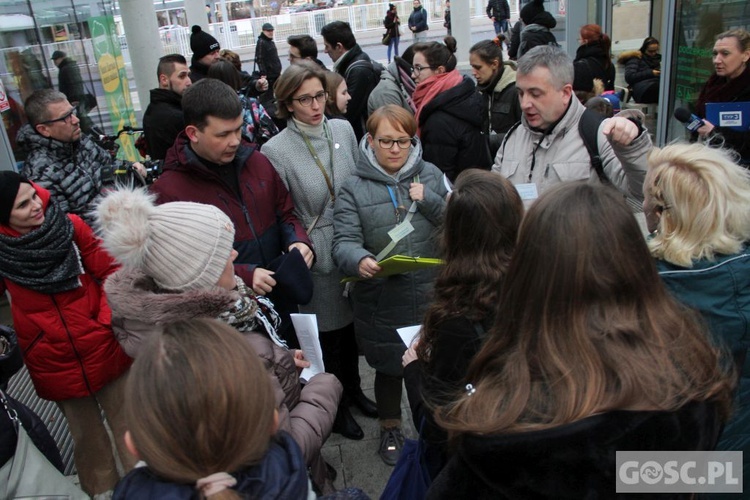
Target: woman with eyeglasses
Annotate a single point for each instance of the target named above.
(391, 206)
(643, 70)
(314, 156)
(450, 112)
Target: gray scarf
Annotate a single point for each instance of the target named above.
(45, 260)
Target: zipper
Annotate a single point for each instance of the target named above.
(72, 345)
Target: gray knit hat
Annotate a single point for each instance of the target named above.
(182, 246)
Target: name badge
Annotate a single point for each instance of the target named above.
(527, 191)
(399, 232)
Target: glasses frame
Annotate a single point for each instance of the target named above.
(416, 69)
(64, 118)
(395, 141)
(321, 97)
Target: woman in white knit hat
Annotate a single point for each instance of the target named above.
(177, 264)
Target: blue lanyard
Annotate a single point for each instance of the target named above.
(395, 203)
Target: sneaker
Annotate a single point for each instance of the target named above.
(391, 442)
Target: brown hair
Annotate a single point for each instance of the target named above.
(198, 401)
(333, 80)
(396, 116)
(595, 36)
(585, 325)
(233, 57)
(477, 238)
(290, 80)
(439, 54)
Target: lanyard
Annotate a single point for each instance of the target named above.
(317, 159)
(396, 206)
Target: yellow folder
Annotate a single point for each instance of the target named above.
(399, 264)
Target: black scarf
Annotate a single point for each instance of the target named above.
(45, 260)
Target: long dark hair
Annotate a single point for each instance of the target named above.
(585, 325)
(477, 239)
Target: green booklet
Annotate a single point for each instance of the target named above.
(399, 264)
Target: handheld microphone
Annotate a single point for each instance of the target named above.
(691, 122)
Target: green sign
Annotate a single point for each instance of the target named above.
(114, 80)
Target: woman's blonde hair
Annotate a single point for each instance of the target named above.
(585, 325)
(198, 401)
(704, 201)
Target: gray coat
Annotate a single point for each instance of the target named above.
(389, 91)
(363, 216)
(302, 177)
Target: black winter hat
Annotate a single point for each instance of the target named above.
(531, 10)
(10, 181)
(201, 43)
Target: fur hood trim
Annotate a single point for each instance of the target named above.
(628, 55)
(133, 295)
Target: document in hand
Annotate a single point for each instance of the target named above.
(399, 264)
(306, 326)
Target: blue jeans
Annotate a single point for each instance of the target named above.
(393, 46)
(501, 26)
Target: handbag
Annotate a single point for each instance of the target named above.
(28, 474)
(386, 38)
(410, 478)
(10, 354)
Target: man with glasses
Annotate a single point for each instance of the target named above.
(360, 72)
(210, 164)
(303, 48)
(61, 158)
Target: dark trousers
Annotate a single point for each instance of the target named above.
(341, 357)
(388, 396)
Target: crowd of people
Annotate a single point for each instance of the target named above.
(552, 331)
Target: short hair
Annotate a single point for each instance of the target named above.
(209, 97)
(396, 116)
(339, 32)
(555, 59)
(225, 71)
(231, 56)
(333, 80)
(37, 104)
(439, 54)
(290, 80)
(488, 51)
(166, 64)
(704, 200)
(305, 44)
(742, 37)
(199, 400)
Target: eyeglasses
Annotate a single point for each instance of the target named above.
(404, 143)
(307, 100)
(64, 118)
(416, 69)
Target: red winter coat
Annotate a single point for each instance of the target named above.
(67, 340)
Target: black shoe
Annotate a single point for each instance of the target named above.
(366, 405)
(391, 442)
(346, 425)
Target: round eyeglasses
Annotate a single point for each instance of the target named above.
(306, 100)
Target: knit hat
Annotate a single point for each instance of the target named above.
(9, 184)
(182, 246)
(201, 43)
(531, 10)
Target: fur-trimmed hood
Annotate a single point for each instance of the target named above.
(140, 308)
(628, 55)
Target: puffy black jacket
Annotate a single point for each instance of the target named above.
(362, 76)
(267, 59)
(639, 67)
(451, 130)
(162, 121)
(537, 32)
(198, 70)
(499, 9)
(594, 58)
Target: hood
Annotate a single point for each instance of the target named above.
(281, 474)
(368, 167)
(544, 19)
(134, 296)
(592, 50)
(166, 96)
(580, 457)
(29, 139)
(462, 102)
(390, 73)
(506, 79)
(43, 195)
(628, 55)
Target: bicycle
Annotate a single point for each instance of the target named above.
(129, 175)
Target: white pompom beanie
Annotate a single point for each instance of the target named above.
(182, 246)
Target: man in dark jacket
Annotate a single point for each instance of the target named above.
(205, 52)
(71, 84)
(209, 163)
(499, 12)
(361, 74)
(163, 118)
(266, 55)
(303, 48)
(418, 22)
(69, 164)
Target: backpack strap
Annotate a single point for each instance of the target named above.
(507, 135)
(588, 128)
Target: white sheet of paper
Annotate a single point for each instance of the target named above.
(408, 333)
(306, 326)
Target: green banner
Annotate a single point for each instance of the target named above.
(114, 80)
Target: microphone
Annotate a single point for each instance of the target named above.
(691, 122)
